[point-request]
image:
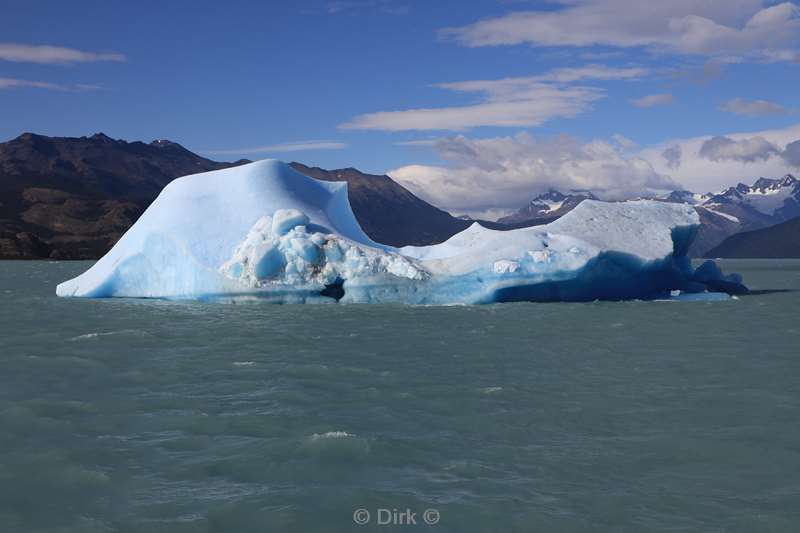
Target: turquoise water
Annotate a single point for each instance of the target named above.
(151, 416)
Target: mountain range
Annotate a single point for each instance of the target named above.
(74, 197)
(387, 211)
(547, 207)
(742, 208)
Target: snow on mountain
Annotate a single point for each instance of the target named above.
(686, 197)
(722, 214)
(549, 205)
(778, 198)
(745, 208)
(771, 198)
(265, 231)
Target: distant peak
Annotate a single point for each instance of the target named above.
(28, 136)
(554, 195)
(100, 136)
(551, 194)
(165, 143)
(763, 183)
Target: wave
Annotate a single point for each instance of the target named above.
(94, 335)
(331, 435)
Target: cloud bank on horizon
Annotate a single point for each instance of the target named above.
(490, 175)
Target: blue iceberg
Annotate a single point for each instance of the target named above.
(265, 231)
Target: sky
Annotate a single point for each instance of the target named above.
(475, 106)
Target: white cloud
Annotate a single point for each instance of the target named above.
(792, 154)
(673, 155)
(623, 142)
(501, 174)
(506, 172)
(653, 100)
(747, 150)
(12, 83)
(711, 28)
(418, 142)
(24, 53)
(542, 103)
(510, 88)
(730, 165)
(299, 146)
(753, 108)
(523, 101)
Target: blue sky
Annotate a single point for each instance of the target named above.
(595, 90)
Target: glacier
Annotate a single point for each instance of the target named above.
(264, 231)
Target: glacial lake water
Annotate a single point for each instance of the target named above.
(154, 416)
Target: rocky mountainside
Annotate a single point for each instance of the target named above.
(767, 200)
(546, 207)
(388, 212)
(72, 198)
(778, 241)
(741, 208)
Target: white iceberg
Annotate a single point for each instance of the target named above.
(264, 230)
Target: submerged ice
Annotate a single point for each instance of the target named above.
(264, 230)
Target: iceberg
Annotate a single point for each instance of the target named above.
(265, 231)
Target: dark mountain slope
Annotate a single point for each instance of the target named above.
(388, 212)
(72, 198)
(546, 207)
(779, 241)
(714, 228)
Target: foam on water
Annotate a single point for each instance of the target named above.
(331, 435)
(95, 335)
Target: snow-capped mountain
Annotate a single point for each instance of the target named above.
(741, 208)
(776, 199)
(687, 197)
(549, 206)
